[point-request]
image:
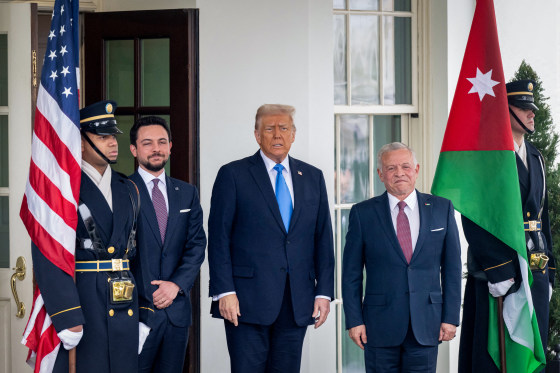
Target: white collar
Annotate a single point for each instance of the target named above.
(269, 163)
(148, 177)
(411, 201)
(93, 174)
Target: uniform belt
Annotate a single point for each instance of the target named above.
(103, 265)
(532, 225)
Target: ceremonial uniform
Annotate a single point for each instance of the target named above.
(490, 260)
(103, 298)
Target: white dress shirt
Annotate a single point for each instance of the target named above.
(521, 152)
(412, 212)
(149, 181)
(103, 182)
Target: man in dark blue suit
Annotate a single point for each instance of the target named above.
(409, 244)
(99, 312)
(171, 244)
(270, 250)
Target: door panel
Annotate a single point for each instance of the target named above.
(147, 61)
(15, 144)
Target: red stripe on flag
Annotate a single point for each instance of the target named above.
(49, 193)
(50, 248)
(47, 134)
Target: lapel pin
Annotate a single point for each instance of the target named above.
(176, 188)
(427, 204)
(300, 173)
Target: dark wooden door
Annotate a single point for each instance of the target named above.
(147, 61)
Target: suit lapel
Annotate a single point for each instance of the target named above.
(297, 183)
(260, 174)
(386, 222)
(147, 207)
(121, 203)
(173, 213)
(91, 196)
(425, 212)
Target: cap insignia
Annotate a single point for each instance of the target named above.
(109, 108)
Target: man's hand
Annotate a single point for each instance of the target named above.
(499, 289)
(71, 337)
(322, 308)
(447, 332)
(358, 335)
(229, 308)
(165, 294)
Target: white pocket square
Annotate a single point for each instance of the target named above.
(187, 210)
(437, 230)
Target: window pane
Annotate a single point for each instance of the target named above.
(397, 5)
(339, 4)
(364, 52)
(386, 129)
(397, 77)
(340, 83)
(364, 4)
(155, 72)
(354, 158)
(125, 160)
(3, 70)
(4, 233)
(120, 71)
(4, 165)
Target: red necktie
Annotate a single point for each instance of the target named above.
(403, 232)
(161, 209)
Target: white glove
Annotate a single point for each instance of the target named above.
(143, 331)
(70, 339)
(500, 288)
(549, 291)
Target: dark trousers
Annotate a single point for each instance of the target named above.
(409, 357)
(272, 348)
(164, 349)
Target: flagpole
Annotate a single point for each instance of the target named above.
(502, 334)
(72, 360)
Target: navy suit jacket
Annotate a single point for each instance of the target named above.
(249, 250)
(427, 291)
(178, 259)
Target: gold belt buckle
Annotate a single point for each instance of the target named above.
(532, 225)
(538, 261)
(122, 291)
(117, 264)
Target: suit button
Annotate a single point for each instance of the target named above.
(111, 250)
(130, 313)
(528, 214)
(111, 313)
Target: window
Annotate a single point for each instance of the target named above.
(375, 94)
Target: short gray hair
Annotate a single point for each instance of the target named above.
(275, 109)
(392, 147)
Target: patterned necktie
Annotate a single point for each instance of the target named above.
(161, 209)
(403, 232)
(283, 196)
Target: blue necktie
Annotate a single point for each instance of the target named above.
(283, 197)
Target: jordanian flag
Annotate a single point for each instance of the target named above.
(477, 171)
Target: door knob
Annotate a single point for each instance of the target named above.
(20, 275)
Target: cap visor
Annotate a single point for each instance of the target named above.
(525, 105)
(106, 131)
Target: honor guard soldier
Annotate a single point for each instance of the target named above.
(98, 314)
(494, 266)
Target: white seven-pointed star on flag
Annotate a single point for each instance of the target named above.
(67, 91)
(482, 84)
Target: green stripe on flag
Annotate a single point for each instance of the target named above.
(474, 179)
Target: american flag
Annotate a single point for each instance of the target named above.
(49, 207)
